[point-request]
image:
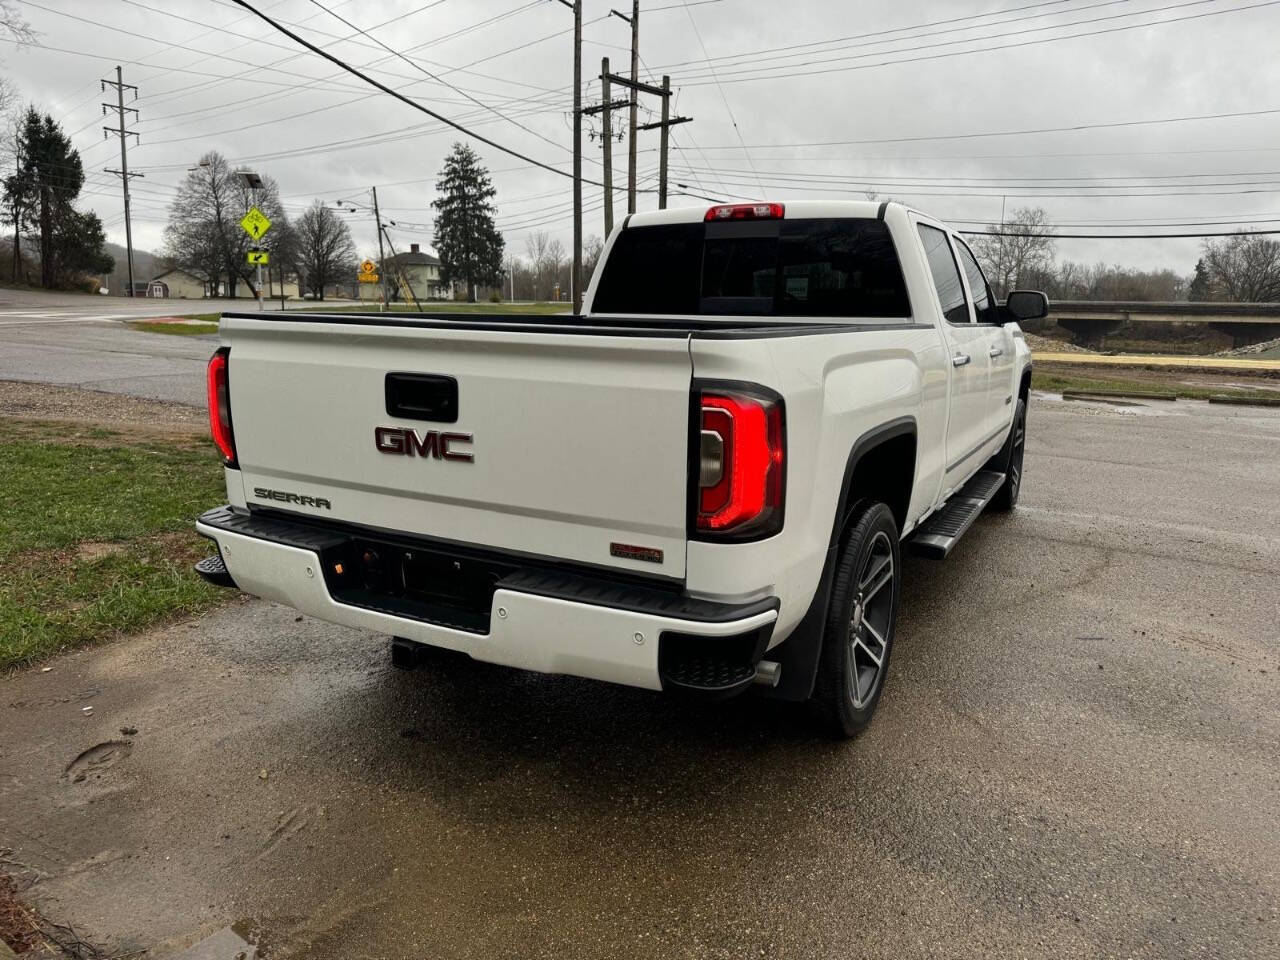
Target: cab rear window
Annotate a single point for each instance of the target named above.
(813, 268)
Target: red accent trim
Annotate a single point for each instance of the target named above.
(745, 211)
(219, 398)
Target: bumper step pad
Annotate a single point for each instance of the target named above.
(214, 571)
(938, 535)
(708, 676)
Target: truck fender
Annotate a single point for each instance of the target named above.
(800, 652)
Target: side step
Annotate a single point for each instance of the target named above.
(938, 535)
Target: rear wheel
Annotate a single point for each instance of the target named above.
(860, 623)
(1009, 460)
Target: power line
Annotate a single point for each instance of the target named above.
(437, 79)
(406, 100)
(842, 43)
(1110, 125)
(728, 109)
(744, 76)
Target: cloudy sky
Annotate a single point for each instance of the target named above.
(1108, 113)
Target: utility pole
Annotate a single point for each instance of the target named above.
(666, 122)
(605, 109)
(577, 156)
(634, 21)
(662, 141)
(635, 76)
(606, 141)
(382, 266)
(576, 278)
(123, 173)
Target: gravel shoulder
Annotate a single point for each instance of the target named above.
(43, 401)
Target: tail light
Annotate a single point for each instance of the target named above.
(741, 464)
(745, 211)
(220, 406)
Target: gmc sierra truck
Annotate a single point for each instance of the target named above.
(701, 484)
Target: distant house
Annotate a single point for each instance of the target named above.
(272, 287)
(420, 270)
(177, 284)
(181, 284)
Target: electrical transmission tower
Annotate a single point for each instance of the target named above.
(124, 133)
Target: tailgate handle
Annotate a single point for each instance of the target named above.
(422, 396)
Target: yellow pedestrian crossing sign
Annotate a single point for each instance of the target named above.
(255, 223)
(368, 266)
(259, 256)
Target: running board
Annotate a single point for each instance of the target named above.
(938, 535)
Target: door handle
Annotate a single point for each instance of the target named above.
(960, 359)
(995, 352)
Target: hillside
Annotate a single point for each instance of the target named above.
(145, 266)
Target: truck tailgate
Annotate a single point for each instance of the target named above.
(576, 441)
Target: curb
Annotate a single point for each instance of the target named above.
(1117, 394)
(1246, 401)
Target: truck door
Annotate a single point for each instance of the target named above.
(999, 341)
(967, 347)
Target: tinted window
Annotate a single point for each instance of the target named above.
(946, 275)
(739, 274)
(840, 268)
(824, 268)
(982, 304)
(652, 270)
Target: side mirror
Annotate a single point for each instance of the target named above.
(1027, 305)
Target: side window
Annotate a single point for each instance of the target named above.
(946, 275)
(982, 304)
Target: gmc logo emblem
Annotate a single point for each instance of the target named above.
(407, 442)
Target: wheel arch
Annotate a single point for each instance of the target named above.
(800, 652)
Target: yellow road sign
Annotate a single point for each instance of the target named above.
(367, 276)
(259, 256)
(368, 266)
(255, 223)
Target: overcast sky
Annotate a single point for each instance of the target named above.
(801, 99)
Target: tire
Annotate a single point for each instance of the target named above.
(1009, 461)
(860, 623)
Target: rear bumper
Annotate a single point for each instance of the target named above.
(540, 618)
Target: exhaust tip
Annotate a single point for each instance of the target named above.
(768, 673)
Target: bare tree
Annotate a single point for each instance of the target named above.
(13, 24)
(535, 245)
(1244, 268)
(326, 253)
(1014, 252)
(204, 233)
(592, 248)
(16, 200)
(551, 266)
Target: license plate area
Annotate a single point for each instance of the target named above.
(421, 583)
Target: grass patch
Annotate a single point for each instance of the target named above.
(1055, 382)
(177, 329)
(96, 535)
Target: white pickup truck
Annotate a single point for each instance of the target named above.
(701, 484)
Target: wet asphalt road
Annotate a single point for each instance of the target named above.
(1078, 754)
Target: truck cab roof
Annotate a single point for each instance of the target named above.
(793, 210)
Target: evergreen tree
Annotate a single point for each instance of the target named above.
(1201, 287)
(44, 189)
(469, 244)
